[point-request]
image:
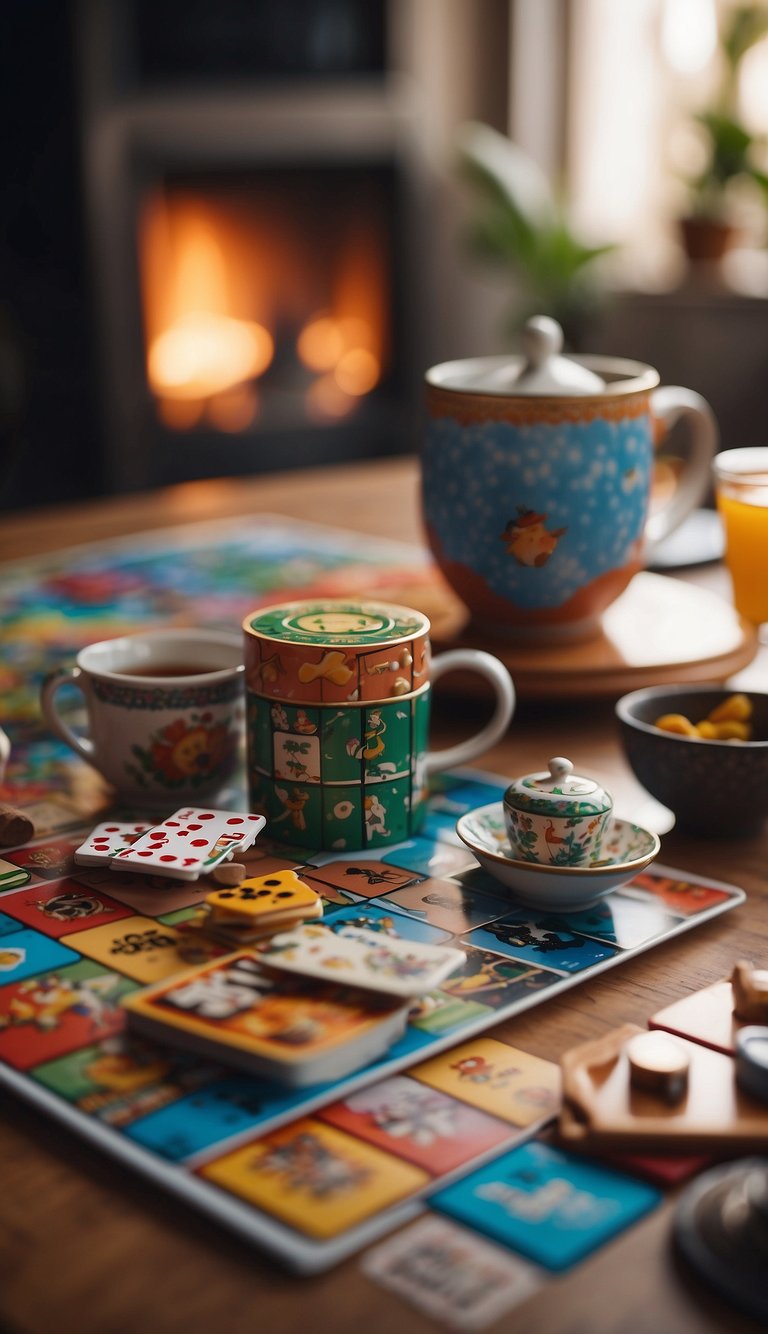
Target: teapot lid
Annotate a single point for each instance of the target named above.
(558, 792)
(541, 370)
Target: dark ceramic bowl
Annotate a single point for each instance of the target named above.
(714, 788)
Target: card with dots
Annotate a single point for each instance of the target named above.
(190, 842)
(106, 840)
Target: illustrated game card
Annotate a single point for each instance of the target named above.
(418, 1123)
(395, 925)
(494, 979)
(454, 1276)
(315, 1178)
(496, 1078)
(141, 948)
(121, 1079)
(365, 879)
(686, 897)
(448, 904)
(537, 940)
(63, 907)
(552, 1207)
(58, 1011)
(361, 958)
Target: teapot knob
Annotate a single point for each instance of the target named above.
(559, 768)
(541, 339)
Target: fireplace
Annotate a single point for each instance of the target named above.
(257, 251)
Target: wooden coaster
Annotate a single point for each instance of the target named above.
(661, 631)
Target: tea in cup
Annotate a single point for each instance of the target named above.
(164, 713)
(537, 481)
(337, 700)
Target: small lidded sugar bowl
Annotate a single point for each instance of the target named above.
(557, 818)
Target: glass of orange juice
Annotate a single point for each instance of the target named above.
(741, 490)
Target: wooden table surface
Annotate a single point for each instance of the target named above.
(88, 1248)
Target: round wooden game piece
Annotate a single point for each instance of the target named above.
(658, 1064)
(752, 1061)
(229, 873)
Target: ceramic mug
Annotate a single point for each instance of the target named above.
(164, 713)
(537, 506)
(340, 770)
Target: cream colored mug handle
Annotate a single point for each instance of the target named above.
(671, 404)
(51, 685)
(474, 661)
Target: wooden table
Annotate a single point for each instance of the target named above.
(85, 1247)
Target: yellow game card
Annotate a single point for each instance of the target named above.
(496, 1078)
(315, 1178)
(138, 947)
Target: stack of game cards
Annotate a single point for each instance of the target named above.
(190, 843)
(234, 917)
(290, 1029)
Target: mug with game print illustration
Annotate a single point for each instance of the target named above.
(541, 493)
(337, 707)
(164, 714)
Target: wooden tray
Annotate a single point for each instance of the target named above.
(661, 631)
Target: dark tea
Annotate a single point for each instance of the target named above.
(170, 669)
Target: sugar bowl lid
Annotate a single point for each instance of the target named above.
(558, 792)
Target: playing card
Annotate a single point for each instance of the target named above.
(191, 841)
(362, 958)
(106, 840)
(459, 1279)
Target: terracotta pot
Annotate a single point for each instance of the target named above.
(706, 240)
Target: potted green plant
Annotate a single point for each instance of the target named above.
(732, 150)
(520, 226)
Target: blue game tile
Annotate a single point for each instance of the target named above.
(26, 953)
(550, 1206)
(212, 1113)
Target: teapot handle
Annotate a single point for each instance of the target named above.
(670, 404)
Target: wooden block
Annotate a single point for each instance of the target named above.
(602, 1109)
(705, 1016)
(750, 993)
(229, 873)
(15, 827)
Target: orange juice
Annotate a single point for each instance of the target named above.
(744, 510)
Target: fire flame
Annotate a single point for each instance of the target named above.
(215, 285)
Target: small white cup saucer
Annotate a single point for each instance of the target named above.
(627, 849)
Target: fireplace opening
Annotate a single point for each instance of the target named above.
(268, 305)
(271, 316)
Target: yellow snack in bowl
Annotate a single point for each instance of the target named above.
(736, 708)
(732, 730)
(726, 722)
(676, 722)
(707, 730)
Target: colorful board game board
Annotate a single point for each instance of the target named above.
(311, 1174)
